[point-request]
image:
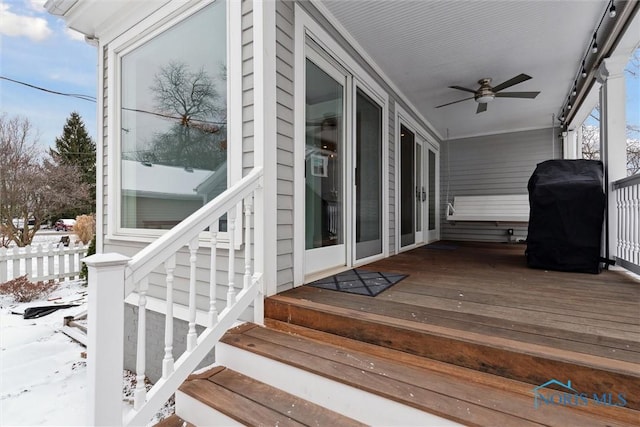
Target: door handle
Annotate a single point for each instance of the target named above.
(424, 195)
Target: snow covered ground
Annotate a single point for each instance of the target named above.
(42, 373)
(43, 376)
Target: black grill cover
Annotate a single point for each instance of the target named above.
(567, 203)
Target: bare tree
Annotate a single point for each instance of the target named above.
(590, 142)
(31, 187)
(190, 101)
(591, 134)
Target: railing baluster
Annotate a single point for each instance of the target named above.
(248, 210)
(167, 362)
(231, 230)
(635, 221)
(213, 312)
(192, 336)
(140, 393)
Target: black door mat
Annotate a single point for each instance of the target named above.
(357, 281)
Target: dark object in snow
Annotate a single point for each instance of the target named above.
(36, 312)
(566, 215)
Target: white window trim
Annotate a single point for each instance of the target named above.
(404, 118)
(305, 26)
(151, 26)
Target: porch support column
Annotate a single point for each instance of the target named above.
(613, 140)
(570, 144)
(265, 140)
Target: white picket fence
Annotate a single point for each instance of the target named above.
(48, 261)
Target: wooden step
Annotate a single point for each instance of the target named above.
(474, 345)
(252, 402)
(452, 392)
(173, 421)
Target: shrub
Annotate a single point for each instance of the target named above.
(85, 227)
(84, 271)
(22, 290)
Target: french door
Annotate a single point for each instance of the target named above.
(325, 164)
(411, 197)
(418, 189)
(368, 177)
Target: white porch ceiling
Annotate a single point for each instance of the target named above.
(426, 46)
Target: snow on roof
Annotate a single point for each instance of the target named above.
(161, 180)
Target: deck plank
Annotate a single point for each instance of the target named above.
(623, 415)
(476, 402)
(284, 403)
(406, 392)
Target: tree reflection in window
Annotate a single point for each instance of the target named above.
(173, 119)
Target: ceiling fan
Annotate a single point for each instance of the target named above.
(486, 93)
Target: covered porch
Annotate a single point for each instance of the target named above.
(478, 306)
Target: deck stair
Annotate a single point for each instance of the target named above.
(368, 383)
(472, 345)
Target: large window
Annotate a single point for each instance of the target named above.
(173, 121)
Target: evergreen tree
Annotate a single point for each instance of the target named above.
(76, 148)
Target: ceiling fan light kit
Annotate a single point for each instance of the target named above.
(486, 93)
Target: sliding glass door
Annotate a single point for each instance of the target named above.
(368, 177)
(324, 166)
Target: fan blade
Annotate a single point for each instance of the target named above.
(454, 102)
(514, 81)
(462, 88)
(530, 95)
(482, 107)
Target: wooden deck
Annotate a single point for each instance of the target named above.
(478, 306)
(488, 289)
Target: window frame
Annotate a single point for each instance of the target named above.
(149, 27)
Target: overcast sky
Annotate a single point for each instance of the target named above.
(37, 48)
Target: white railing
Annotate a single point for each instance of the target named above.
(48, 261)
(112, 277)
(627, 192)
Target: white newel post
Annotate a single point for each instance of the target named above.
(105, 338)
(613, 138)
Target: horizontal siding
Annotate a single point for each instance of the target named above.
(105, 139)
(285, 142)
(490, 165)
(392, 179)
(247, 87)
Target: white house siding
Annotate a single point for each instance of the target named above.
(285, 138)
(491, 165)
(105, 136)
(247, 86)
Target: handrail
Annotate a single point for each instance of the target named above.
(179, 236)
(113, 277)
(627, 181)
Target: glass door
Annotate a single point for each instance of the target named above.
(407, 187)
(413, 193)
(432, 219)
(325, 90)
(368, 176)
